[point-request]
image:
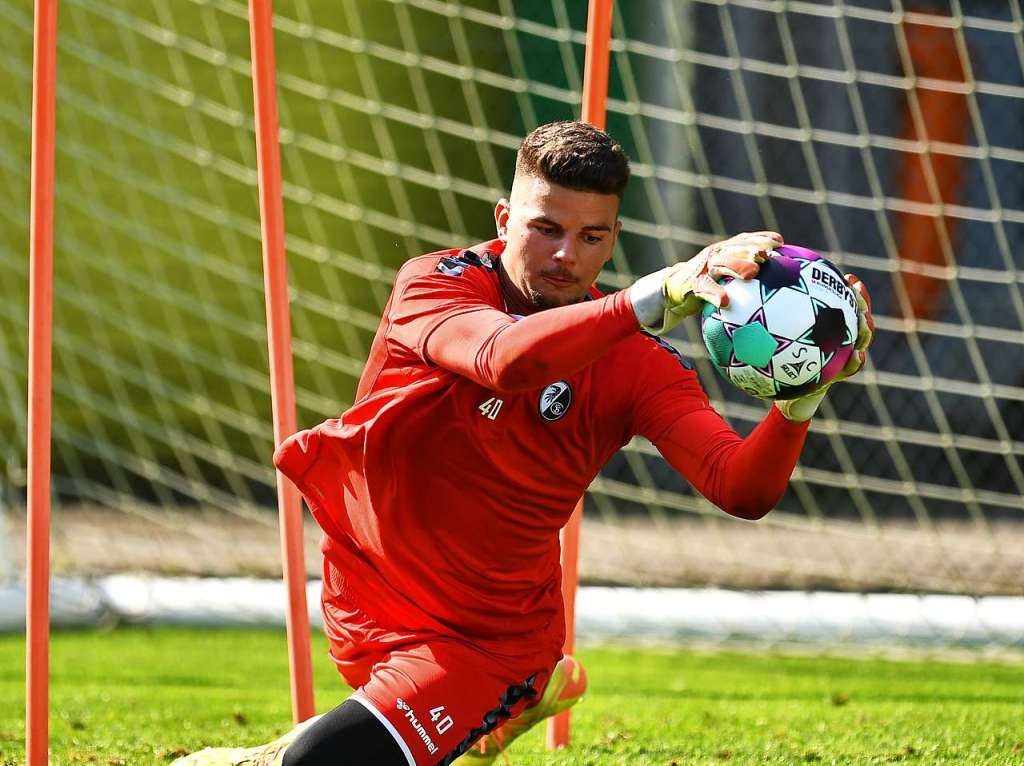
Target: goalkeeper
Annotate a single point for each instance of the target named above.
(499, 383)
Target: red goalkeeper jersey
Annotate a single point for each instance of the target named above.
(442, 490)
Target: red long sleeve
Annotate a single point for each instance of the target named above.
(744, 477)
(454, 322)
(507, 355)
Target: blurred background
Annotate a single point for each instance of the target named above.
(888, 135)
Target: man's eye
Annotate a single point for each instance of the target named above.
(547, 231)
(592, 239)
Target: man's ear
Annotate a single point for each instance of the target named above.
(501, 213)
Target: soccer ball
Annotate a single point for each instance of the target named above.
(788, 330)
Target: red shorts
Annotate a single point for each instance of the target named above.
(437, 694)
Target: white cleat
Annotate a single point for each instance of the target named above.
(264, 755)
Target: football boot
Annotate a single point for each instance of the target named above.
(565, 688)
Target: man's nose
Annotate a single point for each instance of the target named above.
(566, 250)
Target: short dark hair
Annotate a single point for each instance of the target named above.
(575, 155)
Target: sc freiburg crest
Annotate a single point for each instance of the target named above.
(555, 400)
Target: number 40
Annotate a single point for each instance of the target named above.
(445, 723)
(491, 408)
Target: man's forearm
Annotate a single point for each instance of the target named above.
(743, 477)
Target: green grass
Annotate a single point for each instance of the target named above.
(140, 696)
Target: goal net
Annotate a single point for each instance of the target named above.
(887, 135)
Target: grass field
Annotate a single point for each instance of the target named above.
(140, 696)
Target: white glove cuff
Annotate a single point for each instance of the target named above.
(647, 297)
(799, 410)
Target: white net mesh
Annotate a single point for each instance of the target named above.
(886, 135)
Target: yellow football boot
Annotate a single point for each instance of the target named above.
(566, 687)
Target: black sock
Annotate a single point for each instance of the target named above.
(349, 735)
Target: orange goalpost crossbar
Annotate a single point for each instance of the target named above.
(595, 97)
(279, 340)
(40, 379)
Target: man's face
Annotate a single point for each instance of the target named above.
(556, 239)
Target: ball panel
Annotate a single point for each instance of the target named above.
(752, 381)
(828, 285)
(717, 340)
(789, 313)
(796, 364)
(744, 301)
(795, 392)
(829, 331)
(836, 364)
(795, 251)
(779, 271)
(753, 344)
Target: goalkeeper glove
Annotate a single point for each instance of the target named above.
(663, 299)
(802, 409)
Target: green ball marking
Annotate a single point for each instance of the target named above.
(754, 345)
(717, 341)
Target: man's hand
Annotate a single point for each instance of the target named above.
(663, 299)
(803, 408)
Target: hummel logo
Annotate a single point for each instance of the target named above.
(410, 716)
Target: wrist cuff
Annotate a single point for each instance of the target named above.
(802, 409)
(647, 297)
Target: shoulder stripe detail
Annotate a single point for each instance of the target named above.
(664, 344)
(455, 265)
(357, 697)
